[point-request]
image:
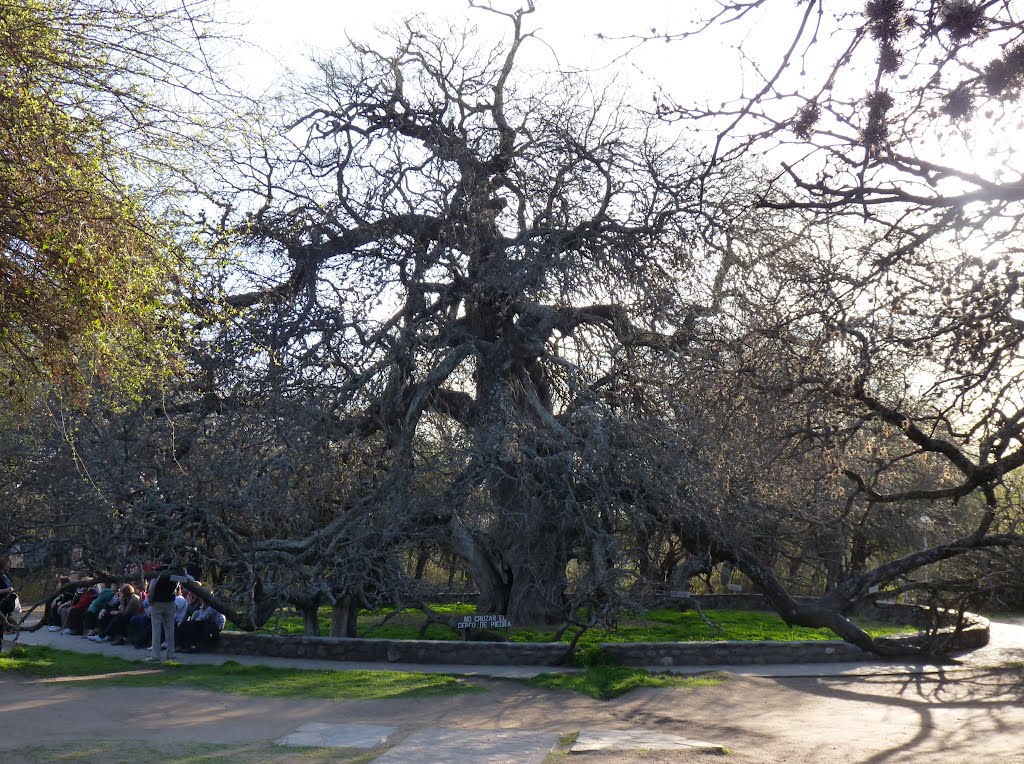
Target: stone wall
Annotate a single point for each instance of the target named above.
(973, 635)
(393, 650)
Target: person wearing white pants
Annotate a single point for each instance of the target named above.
(162, 615)
(162, 610)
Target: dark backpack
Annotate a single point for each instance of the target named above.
(163, 590)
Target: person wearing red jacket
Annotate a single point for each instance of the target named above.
(76, 614)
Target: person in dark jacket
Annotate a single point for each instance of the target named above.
(75, 621)
(129, 605)
(7, 595)
(162, 611)
(58, 608)
(202, 629)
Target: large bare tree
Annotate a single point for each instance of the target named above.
(489, 276)
(470, 253)
(508, 314)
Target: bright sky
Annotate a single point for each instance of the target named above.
(287, 30)
(292, 27)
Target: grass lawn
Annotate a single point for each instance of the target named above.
(406, 625)
(143, 752)
(607, 682)
(233, 677)
(652, 626)
(601, 681)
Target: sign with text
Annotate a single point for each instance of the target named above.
(483, 622)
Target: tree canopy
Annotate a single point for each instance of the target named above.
(867, 120)
(89, 118)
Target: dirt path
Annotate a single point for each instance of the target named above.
(864, 720)
(963, 714)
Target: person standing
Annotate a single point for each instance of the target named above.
(162, 611)
(7, 595)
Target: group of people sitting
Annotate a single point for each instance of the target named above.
(162, 615)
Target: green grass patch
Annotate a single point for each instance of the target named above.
(263, 681)
(405, 625)
(562, 752)
(446, 608)
(651, 626)
(47, 662)
(400, 630)
(745, 625)
(140, 752)
(232, 677)
(568, 739)
(687, 626)
(607, 682)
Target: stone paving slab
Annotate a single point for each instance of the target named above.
(455, 746)
(633, 740)
(338, 735)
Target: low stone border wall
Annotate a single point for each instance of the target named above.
(975, 634)
(971, 637)
(394, 650)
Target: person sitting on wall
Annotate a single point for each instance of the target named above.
(129, 605)
(181, 610)
(98, 609)
(192, 602)
(64, 609)
(140, 626)
(202, 629)
(57, 610)
(74, 623)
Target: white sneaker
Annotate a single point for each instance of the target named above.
(54, 628)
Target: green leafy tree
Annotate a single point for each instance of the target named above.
(91, 121)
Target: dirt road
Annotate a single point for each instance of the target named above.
(969, 713)
(871, 720)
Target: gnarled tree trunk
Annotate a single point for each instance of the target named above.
(344, 616)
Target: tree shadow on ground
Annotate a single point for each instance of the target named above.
(954, 711)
